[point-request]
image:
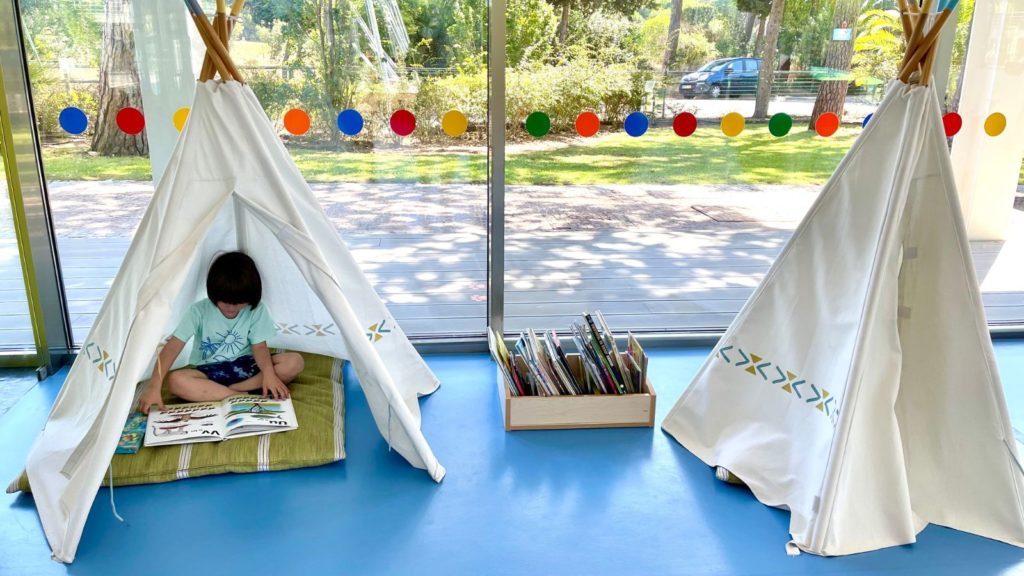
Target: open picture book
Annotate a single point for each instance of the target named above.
(233, 417)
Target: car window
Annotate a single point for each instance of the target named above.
(713, 66)
(753, 65)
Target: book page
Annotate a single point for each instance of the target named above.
(183, 423)
(248, 415)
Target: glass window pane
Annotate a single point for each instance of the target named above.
(410, 205)
(669, 218)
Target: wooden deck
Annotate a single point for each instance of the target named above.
(437, 285)
(650, 257)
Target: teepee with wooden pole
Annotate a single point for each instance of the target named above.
(857, 387)
(230, 185)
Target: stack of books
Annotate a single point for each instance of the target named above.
(538, 365)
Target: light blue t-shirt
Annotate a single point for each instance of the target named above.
(218, 338)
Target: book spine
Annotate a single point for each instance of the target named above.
(604, 355)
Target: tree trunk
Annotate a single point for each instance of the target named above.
(119, 84)
(748, 31)
(673, 35)
(563, 26)
(832, 93)
(758, 43)
(766, 76)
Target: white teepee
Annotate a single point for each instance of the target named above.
(230, 184)
(857, 387)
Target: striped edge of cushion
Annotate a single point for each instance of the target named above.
(319, 399)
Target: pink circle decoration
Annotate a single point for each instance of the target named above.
(952, 123)
(403, 122)
(130, 120)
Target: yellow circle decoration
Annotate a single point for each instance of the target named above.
(454, 123)
(179, 118)
(732, 124)
(995, 124)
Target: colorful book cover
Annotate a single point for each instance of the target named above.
(132, 435)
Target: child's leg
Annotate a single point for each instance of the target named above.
(287, 366)
(194, 386)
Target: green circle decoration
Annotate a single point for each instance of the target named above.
(780, 124)
(538, 124)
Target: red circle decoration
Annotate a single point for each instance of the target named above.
(130, 120)
(952, 123)
(403, 122)
(684, 124)
(827, 124)
(587, 124)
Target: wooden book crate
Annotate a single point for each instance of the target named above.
(584, 411)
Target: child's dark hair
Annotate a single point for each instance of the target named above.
(234, 279)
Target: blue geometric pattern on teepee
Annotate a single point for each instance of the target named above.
(771, 373)
(101, 359)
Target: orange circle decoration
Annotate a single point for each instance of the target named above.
(179, 118)
(826, 124)
(995, 124)
(454, 123)
(296, 122)
(587, 124)
(732, 124)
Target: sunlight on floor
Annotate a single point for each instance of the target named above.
(1007, 272)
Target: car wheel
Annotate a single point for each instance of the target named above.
(716, 91)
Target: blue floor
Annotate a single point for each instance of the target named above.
(620, 501)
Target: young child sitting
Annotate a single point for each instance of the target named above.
(229, 350)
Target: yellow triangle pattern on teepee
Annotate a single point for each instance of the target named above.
(754, 359)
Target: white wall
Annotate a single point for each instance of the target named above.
(162, 47)
(987, 168)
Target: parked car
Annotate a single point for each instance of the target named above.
(724, 77)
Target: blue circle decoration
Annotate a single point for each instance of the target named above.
(866, 120)
(350, 122)
(73, 120)
(636, 124)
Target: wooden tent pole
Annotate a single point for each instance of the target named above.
(922, 47)
(209, 37)
(223, 23)
(219, 24)
(905, 18)
(915, 36)
(218, 53)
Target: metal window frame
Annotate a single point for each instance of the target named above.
(44, 285)
(37, 246)
(496, 166)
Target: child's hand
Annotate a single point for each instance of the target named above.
(150, 397)
(272, 386)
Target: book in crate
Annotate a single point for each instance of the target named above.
(601, 385)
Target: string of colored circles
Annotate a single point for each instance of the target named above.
(538, 124)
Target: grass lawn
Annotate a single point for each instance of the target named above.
(658, 157)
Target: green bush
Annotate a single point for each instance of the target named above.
(563, 91)
(466, 93)
(694, 49)
(51, 96)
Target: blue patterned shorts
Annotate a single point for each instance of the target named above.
(231, 371)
